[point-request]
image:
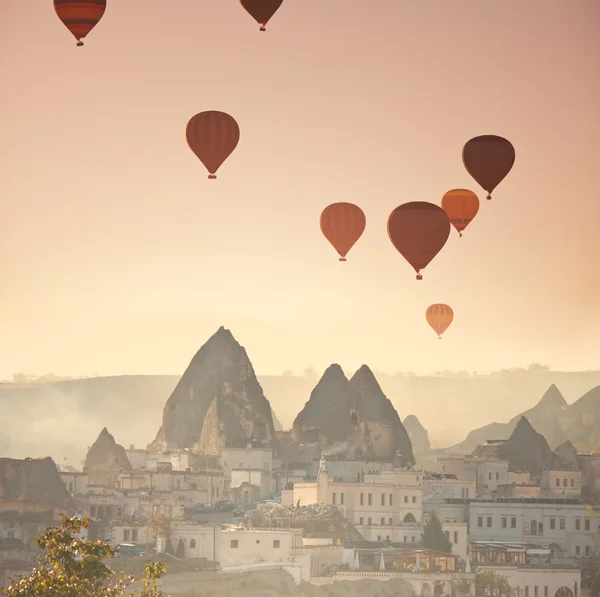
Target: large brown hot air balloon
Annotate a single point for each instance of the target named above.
(488, 159)
(439, 317)
(212, 136)
(261, 10)
(419, 230)
(80, 16)
(342, 224)
(461, 206)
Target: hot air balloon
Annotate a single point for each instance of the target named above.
(342, 224)
(419, 230)
(261, 10)
(488, 159)
(212, 136)
(80, 16)
(439, 317)
(461, 206)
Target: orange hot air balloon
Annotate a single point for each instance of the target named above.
(212, 136)
(261, 10)
(80, 16)
(488, 159)
(461, 206)
(439, 317)
(419, 230)
(342, 224)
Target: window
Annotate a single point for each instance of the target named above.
(562, 524)
(405, 539)
(275, 543)
(443, 468)
(467, 492)
(412, 539)
(587, 524)
(541, 528)
(535, 591)
(387, 538)
(552, 523)
(406, 499)
(370, 499)
(526, 591)
(498, 477)
(577, 550)
(504, 522)
(526, 527)
(369, 521)
(545, 591)
(134, 535)
(455, 536)
(572, 482)
(578, 524)
(480, 521)
(414, 499)
(192, 543)
(557, 482)
(391, 499)
(361, 520)
(362, 499)
(417, 478)
(234, 544)
(490, 476)
(391, 521)
(126, 535)
(194, 486)
(382, 521)
(489, 522)
(587, 550)
(93, 510)
(383, 499)
(564, 482)
(342, 499)
(334, 498)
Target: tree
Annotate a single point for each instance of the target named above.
(74, 567)
(434, 537)
(492, 584)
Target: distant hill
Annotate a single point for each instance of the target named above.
(63, 418)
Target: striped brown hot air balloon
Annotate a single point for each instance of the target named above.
(212, 136)
(439, 317)
(461, 206)
(342, 224)
(80, 16)
(261, 10)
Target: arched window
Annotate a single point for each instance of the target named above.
(192, 543)
(409, 518)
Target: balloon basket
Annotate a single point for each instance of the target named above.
(79, 44)
(419, 277)
(212, 176)
(489, 197)
(342, 259)
(262, 29)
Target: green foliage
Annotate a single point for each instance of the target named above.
(74, 567)
(434, 537)
(160, 526)
(492, 584)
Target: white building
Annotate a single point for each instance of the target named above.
(487, 473)
(438, 487)
(561, 483)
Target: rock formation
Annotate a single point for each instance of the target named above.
(32, 485)
(218, 402)
(527, 450)
(567, 456)
(105, 460)
(352, 414)
(419, 437)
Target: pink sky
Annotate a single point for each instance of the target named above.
(119, 256)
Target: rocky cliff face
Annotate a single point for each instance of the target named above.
(418, 435)
(567, 456)
(353, 414)
(32, 480)
(218, 402)
(527, 450)
(105, 460)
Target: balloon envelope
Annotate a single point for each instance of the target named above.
(419, 230)
(261, 10)
(461, 206)
(212, 136)
(342, 224)
(80, 16)
(439, 317)
(488, 159)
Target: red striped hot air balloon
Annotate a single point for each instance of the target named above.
(342, 224)
(80, 16)
(212, 136)
(439, 317)
(261, 10)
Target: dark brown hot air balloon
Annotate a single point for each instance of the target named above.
(261, 10)
(461, 206)
(439, 317)
(419, 230)
(488, 159)
(212, 136)
(80, 16)
(342, 224)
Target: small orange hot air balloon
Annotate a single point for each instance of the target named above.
(439, 317)
(419, 230)
(461, 206)
(261, 10)
(488, 159)
(80, 16)
(212, 136)
(342, 224)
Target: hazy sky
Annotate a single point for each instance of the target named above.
(118, 255)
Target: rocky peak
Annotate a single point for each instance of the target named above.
(218, 402)
(419, 436)
(567, 456)
(552, 399)
(106, 460)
